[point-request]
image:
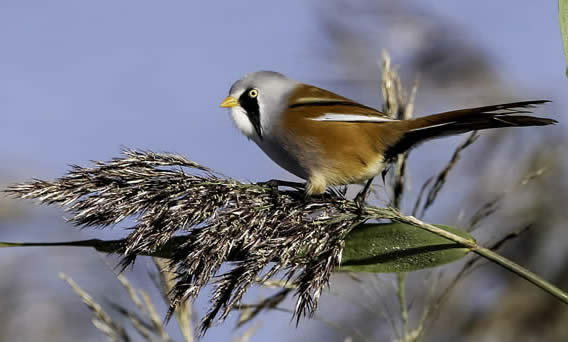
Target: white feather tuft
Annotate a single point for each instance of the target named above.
(351, 118)
(242, 121)
(432, 126)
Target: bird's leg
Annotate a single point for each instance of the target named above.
(385, 172)
(362, 196)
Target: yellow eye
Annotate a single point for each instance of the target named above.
(253, 93)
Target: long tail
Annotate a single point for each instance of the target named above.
(460, 121)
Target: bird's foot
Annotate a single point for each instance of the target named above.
(360, 202)
(362, 196)
(274, 184)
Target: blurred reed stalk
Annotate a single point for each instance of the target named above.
(145, 320)
(398, 105)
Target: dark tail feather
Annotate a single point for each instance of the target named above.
(465, 120)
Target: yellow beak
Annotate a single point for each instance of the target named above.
(229, 102)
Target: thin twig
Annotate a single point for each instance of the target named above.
(440, 179)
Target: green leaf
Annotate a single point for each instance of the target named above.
(563, 20)
(378, 248)
(398, 247)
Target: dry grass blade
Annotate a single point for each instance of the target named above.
(440, 179)
(131, 292)
(154, 317)
(511, 236)
(486, 210)
(399, 105)
(145, 306)
(471, 264)
(184, 312)
(142, 327)
(247, 314)
(491, 206)
(102, 320)
(247, 334)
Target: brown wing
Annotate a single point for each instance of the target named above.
(344, 150)
(310, 98)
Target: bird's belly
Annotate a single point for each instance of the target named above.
(311, 163)
(283, 156)
(352, 172)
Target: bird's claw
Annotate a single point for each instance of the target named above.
(276, 183)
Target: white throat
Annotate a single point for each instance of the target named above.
(241, 120)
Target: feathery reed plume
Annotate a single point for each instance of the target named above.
(167, 194)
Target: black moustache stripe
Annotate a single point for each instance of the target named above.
(250, 105)
(254, 118)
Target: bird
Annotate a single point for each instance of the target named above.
(329, 140)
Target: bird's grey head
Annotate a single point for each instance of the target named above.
(256, 101)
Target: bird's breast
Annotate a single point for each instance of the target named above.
(284, 153)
